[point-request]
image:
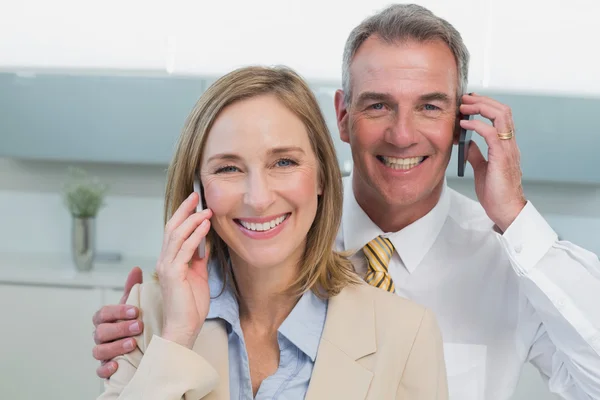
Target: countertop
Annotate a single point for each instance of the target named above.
(59, 270)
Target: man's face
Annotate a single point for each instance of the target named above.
(401, 120)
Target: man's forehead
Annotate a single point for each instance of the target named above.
(382, 66)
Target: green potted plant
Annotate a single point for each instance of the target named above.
(84, 197)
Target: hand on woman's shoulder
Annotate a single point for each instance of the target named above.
(147, 297)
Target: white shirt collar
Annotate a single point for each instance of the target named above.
(411, 243)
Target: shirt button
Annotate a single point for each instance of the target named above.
(560, 304)
(518, 248)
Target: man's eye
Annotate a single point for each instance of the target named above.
(430, 107)
(377, 106)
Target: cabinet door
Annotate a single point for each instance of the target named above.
(46, 343)
(112, 296)
(94, 118)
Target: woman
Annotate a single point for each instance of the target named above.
(271, 312)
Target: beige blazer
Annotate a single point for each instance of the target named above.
(375, 345)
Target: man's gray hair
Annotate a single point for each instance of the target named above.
(402, 22)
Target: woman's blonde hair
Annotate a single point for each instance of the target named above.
(323, 270)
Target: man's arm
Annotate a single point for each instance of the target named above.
(561, 281)
(116, 326)
(158, 369)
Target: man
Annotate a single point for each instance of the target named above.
(504, 289)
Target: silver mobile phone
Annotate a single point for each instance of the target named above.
(200, 207)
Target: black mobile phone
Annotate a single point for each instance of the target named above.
(464, 139)
(200, 207)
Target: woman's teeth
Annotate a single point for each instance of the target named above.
(264, 226)
(402, 163)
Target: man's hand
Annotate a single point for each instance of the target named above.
(115, 327)
(497, 179)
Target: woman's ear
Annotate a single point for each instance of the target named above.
(320, 184)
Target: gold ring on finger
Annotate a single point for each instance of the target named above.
(506, 136)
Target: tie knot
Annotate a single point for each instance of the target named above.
(379, 252)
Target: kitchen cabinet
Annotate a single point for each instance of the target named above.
(46, 335)
(557, 137)
(94, 118)
(46, 342)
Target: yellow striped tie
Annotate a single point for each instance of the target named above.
(379, 253)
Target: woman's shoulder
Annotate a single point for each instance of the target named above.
(147, 298)
(395, 314)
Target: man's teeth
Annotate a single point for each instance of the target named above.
(265, 226)
(402, 163)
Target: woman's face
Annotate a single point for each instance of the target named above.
(260, 178)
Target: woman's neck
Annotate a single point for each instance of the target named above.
(264, 301)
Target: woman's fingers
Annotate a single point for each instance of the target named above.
(190, 246)
(175, 239)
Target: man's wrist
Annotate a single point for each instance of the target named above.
(510, 215)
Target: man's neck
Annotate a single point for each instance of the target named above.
(390, 217)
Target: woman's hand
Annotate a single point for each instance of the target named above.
(183, 277)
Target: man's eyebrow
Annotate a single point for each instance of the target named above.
(435, 96)
(386, 97)
(374, 96)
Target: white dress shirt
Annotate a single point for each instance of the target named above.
(501, 299)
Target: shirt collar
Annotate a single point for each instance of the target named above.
(223, 303)
(302, 327)
(411, 243)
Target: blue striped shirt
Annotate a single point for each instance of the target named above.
(298, 337)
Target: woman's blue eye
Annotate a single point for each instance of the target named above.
(284, 162)
(229, 168)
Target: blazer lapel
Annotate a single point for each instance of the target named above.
(348, 335)
(212, 344)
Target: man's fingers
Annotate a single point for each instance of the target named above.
(475, 157)
(105, 333)
(135, 276)
(108, 351)
(106, 370)
(112, 313)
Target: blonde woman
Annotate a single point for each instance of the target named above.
(271, 312)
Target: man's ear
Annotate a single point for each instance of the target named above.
(341, 114)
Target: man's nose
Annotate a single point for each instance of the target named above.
(402, 133)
